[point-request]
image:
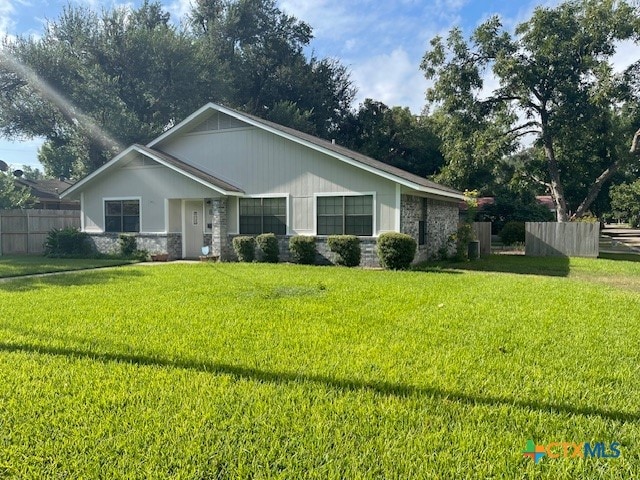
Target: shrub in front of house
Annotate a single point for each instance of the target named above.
(268, 250)
(512, 232)
(303, 249)
(396, 250)
(128, 245)
(245, 248)
(67, 242)
(346, 248)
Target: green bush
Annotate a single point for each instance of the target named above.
(67, 242)
(303, 249)
(128, 244)
(268, 248)
(347, 249)
(396, 250)
(463, 235)
(245, 248)
(512, 232)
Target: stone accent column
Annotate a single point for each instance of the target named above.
(219, 228)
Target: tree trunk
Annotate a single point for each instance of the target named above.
(557, 190)
(595, 188)
(635, 143)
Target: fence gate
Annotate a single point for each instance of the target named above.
(24, 232)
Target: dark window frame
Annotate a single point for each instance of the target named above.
(118, 220)
(335, 217)
(263, 215)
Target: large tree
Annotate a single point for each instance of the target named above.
(93, 83)
(556, 85)
(395, 136)
(264, 51)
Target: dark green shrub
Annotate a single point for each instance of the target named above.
(463, 235)
(245, 248)
(396, 250)
(347, 249)
(303, 249)
(128, 245)
(67, 242)
(268, 248)
(512, 232)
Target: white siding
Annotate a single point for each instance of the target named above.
(260, 162)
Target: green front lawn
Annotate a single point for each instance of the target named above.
(17, 265)
(282, 371)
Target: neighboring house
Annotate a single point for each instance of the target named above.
(47, 193)
(222, 173)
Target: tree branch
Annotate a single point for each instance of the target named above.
(538, 180)
(526, 132)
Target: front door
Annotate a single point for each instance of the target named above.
(193, 229)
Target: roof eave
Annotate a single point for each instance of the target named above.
(313, 146)
(155, 158)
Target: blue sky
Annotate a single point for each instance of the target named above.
(381, 41)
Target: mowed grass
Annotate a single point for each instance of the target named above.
(280, 371)
(18, 265)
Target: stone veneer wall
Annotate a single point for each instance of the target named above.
(220, 240)
(441, 220)
(170, 243)
(324, 256)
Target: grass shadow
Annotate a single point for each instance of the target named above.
(67, 279)
(518, 264)
(625, 257)
(381, 387)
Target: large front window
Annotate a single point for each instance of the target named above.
(263, 215)
(349, 215)
(122, 216)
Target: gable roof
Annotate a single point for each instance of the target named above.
(45, 189)
(169, 161)
(356, 159)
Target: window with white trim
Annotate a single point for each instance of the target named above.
(345, 215)
(263, 215)
(122, 216)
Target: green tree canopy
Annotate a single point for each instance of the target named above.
(94, 83)
(394, 136)
(555, 84)
(12, 195)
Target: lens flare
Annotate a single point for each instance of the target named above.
(66, 108)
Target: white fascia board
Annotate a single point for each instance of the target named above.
(94, 174)
(155, 158)
(186, 121)
(313, 146)
(186, 174)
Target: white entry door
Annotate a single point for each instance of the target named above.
(192, 228)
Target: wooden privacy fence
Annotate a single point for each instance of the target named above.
(569, 239)
(482, 231)
(25, 231)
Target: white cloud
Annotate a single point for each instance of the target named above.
(179, 9)
(7, 12)
(627, 52)
(393, 79)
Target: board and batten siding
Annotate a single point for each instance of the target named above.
(260, 162)
(152, 184)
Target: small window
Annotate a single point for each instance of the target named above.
(422, 233)
(348, 215)
(263, 215)
(122, 216)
